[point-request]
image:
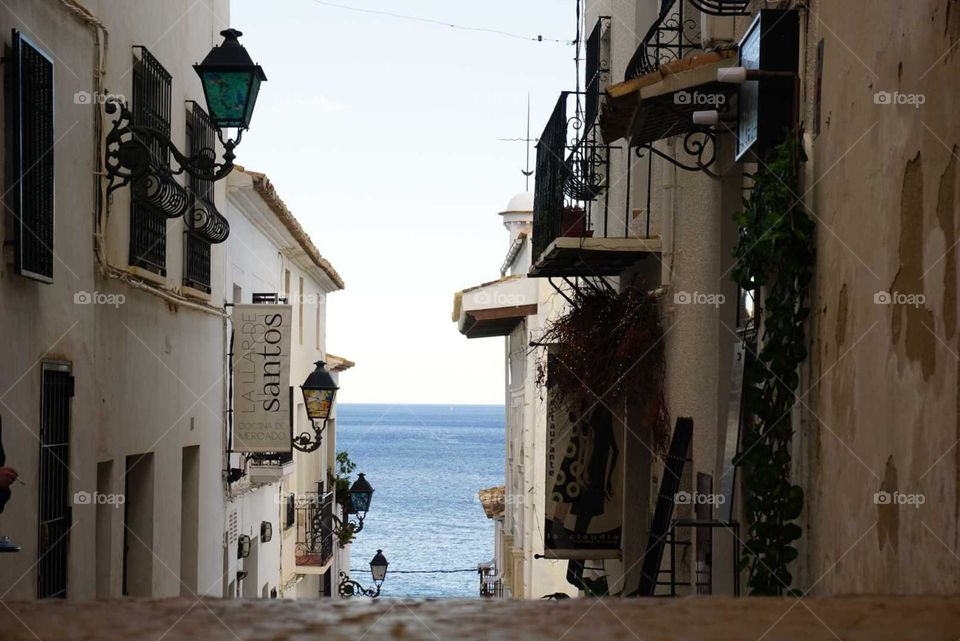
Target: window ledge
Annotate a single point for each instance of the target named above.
(147, 275)
(197, 294)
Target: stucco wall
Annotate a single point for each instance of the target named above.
(883, 398)
(41, 322)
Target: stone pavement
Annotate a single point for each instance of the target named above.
(690, 619)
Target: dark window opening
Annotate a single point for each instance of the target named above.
(54, 511)
(29, 132)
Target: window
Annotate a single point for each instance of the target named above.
(286, 285)
(291, 515)
(201, 138)
(151, 108)
(29, 90)
(54, 489)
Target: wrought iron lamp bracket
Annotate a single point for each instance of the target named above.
(342, 524)
(700, 143)
(306, 442)
(128, 157)
(349, 588)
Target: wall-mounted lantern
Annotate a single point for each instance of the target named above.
(319, 392)
(378, 570)
(360, 493)
(231, 82)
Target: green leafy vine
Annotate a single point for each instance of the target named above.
(775, 252)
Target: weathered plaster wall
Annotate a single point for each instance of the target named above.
(883, 398)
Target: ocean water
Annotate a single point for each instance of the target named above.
(426, 464)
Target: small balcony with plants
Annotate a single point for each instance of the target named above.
(578, 229)
(315, 531)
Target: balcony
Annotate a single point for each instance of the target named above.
(315, 532)
(496, 308)
(270, 467)
(575, 233)
(671, 75)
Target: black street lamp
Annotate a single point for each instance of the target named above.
(378, 569)
(360, 493)
(231, 82)
(319, 392)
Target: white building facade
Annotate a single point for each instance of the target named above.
(114, 384)
(516, 307)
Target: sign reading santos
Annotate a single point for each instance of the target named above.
(261, 378)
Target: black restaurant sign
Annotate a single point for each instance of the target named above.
(767, 108)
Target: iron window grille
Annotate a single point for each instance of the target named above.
(30, 84)
(55, 515)
(196, 251)
(152, 107)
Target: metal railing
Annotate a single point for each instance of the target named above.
(597, 69)
(315, 532)
(573, 166)
(675, 33)
(275, 459)
(491, 585)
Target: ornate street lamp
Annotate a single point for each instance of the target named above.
(360, 493)
(319, 392)
(231, 82)
(378, 569)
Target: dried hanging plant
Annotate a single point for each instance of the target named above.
(608, 348)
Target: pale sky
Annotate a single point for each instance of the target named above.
(381, 135)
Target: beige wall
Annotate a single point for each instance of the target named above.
(882, 409)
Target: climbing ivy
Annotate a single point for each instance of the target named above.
(775, 251)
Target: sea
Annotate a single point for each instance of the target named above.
(426, 464)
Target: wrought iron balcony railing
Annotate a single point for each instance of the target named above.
(675, 33)
(315, 528)
(597, 69)
(573, 166)
(274, 459)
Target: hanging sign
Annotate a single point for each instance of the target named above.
(261, 378)
(584, 495)
(767, 108)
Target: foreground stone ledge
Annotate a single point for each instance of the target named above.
(692, 619)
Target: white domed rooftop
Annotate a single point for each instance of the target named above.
(521, 203)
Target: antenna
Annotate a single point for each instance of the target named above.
(527, 172)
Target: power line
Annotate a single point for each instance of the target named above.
(421, 571)
(499, 32)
